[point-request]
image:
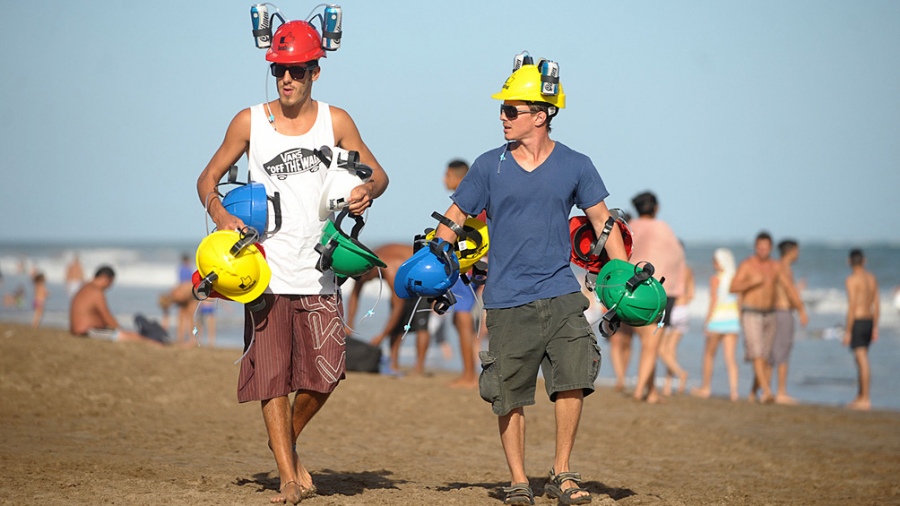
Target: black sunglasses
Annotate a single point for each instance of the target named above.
(297, 71)
(510, 111)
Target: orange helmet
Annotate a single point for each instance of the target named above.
(295, 42)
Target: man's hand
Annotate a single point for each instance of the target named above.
(360, 199)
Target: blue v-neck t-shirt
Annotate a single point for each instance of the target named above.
(528, 221)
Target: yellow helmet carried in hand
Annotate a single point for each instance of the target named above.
(526, 84)
(472, 245)
(234, 265)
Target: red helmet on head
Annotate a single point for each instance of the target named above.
(295, 42)
(584, 241)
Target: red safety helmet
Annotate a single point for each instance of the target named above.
(295, 42)
(584, 240)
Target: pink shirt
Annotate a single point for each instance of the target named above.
(655, 242)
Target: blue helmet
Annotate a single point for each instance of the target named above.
(430, 272)
(250, 203)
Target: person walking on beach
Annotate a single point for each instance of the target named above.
(656, 243)
(41, 294)
(89, 313)
(298, 338)
(722, 324)
(465, 297)
(783, 342)
(403, 311)
(863, 307)
(678, 325)
(535, 309)
(755, 282)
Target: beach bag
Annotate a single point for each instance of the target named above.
(150, 329)
(362, 356)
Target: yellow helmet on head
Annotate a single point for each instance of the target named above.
(526, 84)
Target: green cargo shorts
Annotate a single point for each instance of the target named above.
(548, 334)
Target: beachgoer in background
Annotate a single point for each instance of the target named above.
(785, 305)
(40, 297)
(755, 281)
(16, 298)
(620, 354)
(863, 308)
(89, 313)
(656, 243)
(722, 324)
(74, 276)
(679, 323)
(465, 296)
(401, 310)
(182, 297)
(207, 323)
(298, 339)
(437, 329)
(535, 309)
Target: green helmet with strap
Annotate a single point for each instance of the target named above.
(630, 293)
(343, 253)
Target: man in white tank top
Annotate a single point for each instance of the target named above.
(298, 338)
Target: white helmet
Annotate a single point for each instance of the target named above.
(344, 173)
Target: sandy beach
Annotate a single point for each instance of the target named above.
(91, 422)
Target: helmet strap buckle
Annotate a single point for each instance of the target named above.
(443, 302)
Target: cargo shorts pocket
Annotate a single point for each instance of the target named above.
(596, 358)
(489, 380)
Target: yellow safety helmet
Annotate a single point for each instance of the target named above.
(525, 84)
(234, 265)
(472, 245)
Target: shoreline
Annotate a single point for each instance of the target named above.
(93, 422)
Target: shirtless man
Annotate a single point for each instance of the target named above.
(755, 282)
(862, 322)
(393, 255)
(789, 251)
(90, 316)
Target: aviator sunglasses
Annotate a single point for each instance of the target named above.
(297, 71)
(509, 110)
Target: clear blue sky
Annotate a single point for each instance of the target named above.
(739, 115)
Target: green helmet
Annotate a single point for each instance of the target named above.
(343, 253)
(631, 292)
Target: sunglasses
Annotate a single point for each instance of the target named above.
(297, 71)
(510, 111)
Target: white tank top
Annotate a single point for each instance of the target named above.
(286, 164)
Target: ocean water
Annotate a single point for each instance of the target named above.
(822, 371)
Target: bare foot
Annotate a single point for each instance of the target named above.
(735, 397)
(682, 382)
(619, 387)
(462, 382)
(701, 392)
(767, 399)
(290, 492)
(785, 399)
(859, 404)
(307, 488)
